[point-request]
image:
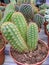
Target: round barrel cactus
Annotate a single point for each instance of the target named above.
(39, 19)
(27, 11)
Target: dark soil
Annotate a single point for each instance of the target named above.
(31, 57)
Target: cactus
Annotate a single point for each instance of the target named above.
(48, 27)
(44, 6)
(39, 19)
(19, 2)
(16, 8)
(8, 8)
(27, 11)
(12, 34)
(6, 1)
(32, 36)
(42, 12)
(6, 17)
(2, 8)
(19, 20)
(0, 15)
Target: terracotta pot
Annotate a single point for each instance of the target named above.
(38, 63)
(2, 45)
(45, 24)
(2, 55)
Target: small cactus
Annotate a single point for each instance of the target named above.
(12, 34)
(39, 19)
(32, 36)
(27, 11)
(19, 20)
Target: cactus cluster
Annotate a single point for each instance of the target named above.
(39, 19)
(17, 31)
(27, 11)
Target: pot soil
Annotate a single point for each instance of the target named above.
(36, 57)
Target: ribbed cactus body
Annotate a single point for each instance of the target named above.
(12, 34)
(8, 8)
(27, 11)
(6, 17)
(32, 36)
(19, 20)
(0, 15)
(39, 19)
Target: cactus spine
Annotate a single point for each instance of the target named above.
(19, 20)
(32, 36)
(27, 11)
(39, 19)
(12, 34)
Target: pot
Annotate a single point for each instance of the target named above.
(2, 48)
(38, 63)
(45, 24)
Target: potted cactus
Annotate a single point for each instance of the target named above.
(39, 19)
(2, 48)
(25, 46)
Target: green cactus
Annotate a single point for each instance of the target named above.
(9, 7)
(27, 11)
(44, 6)
(32, 36)
(6, 17)
(16, 8)
(42, 12)
(19, 2)
(19, 20)
(12, 34)
(0, 15)
(48, 27)
(39, 19)
(2, 8)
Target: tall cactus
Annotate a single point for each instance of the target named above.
(39, 19)
(32, 36)
(12, 34)
(27, 11)
(19, 20)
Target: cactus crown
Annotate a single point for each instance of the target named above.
(16, 35)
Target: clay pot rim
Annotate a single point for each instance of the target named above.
(35, 63)
(2, 49)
